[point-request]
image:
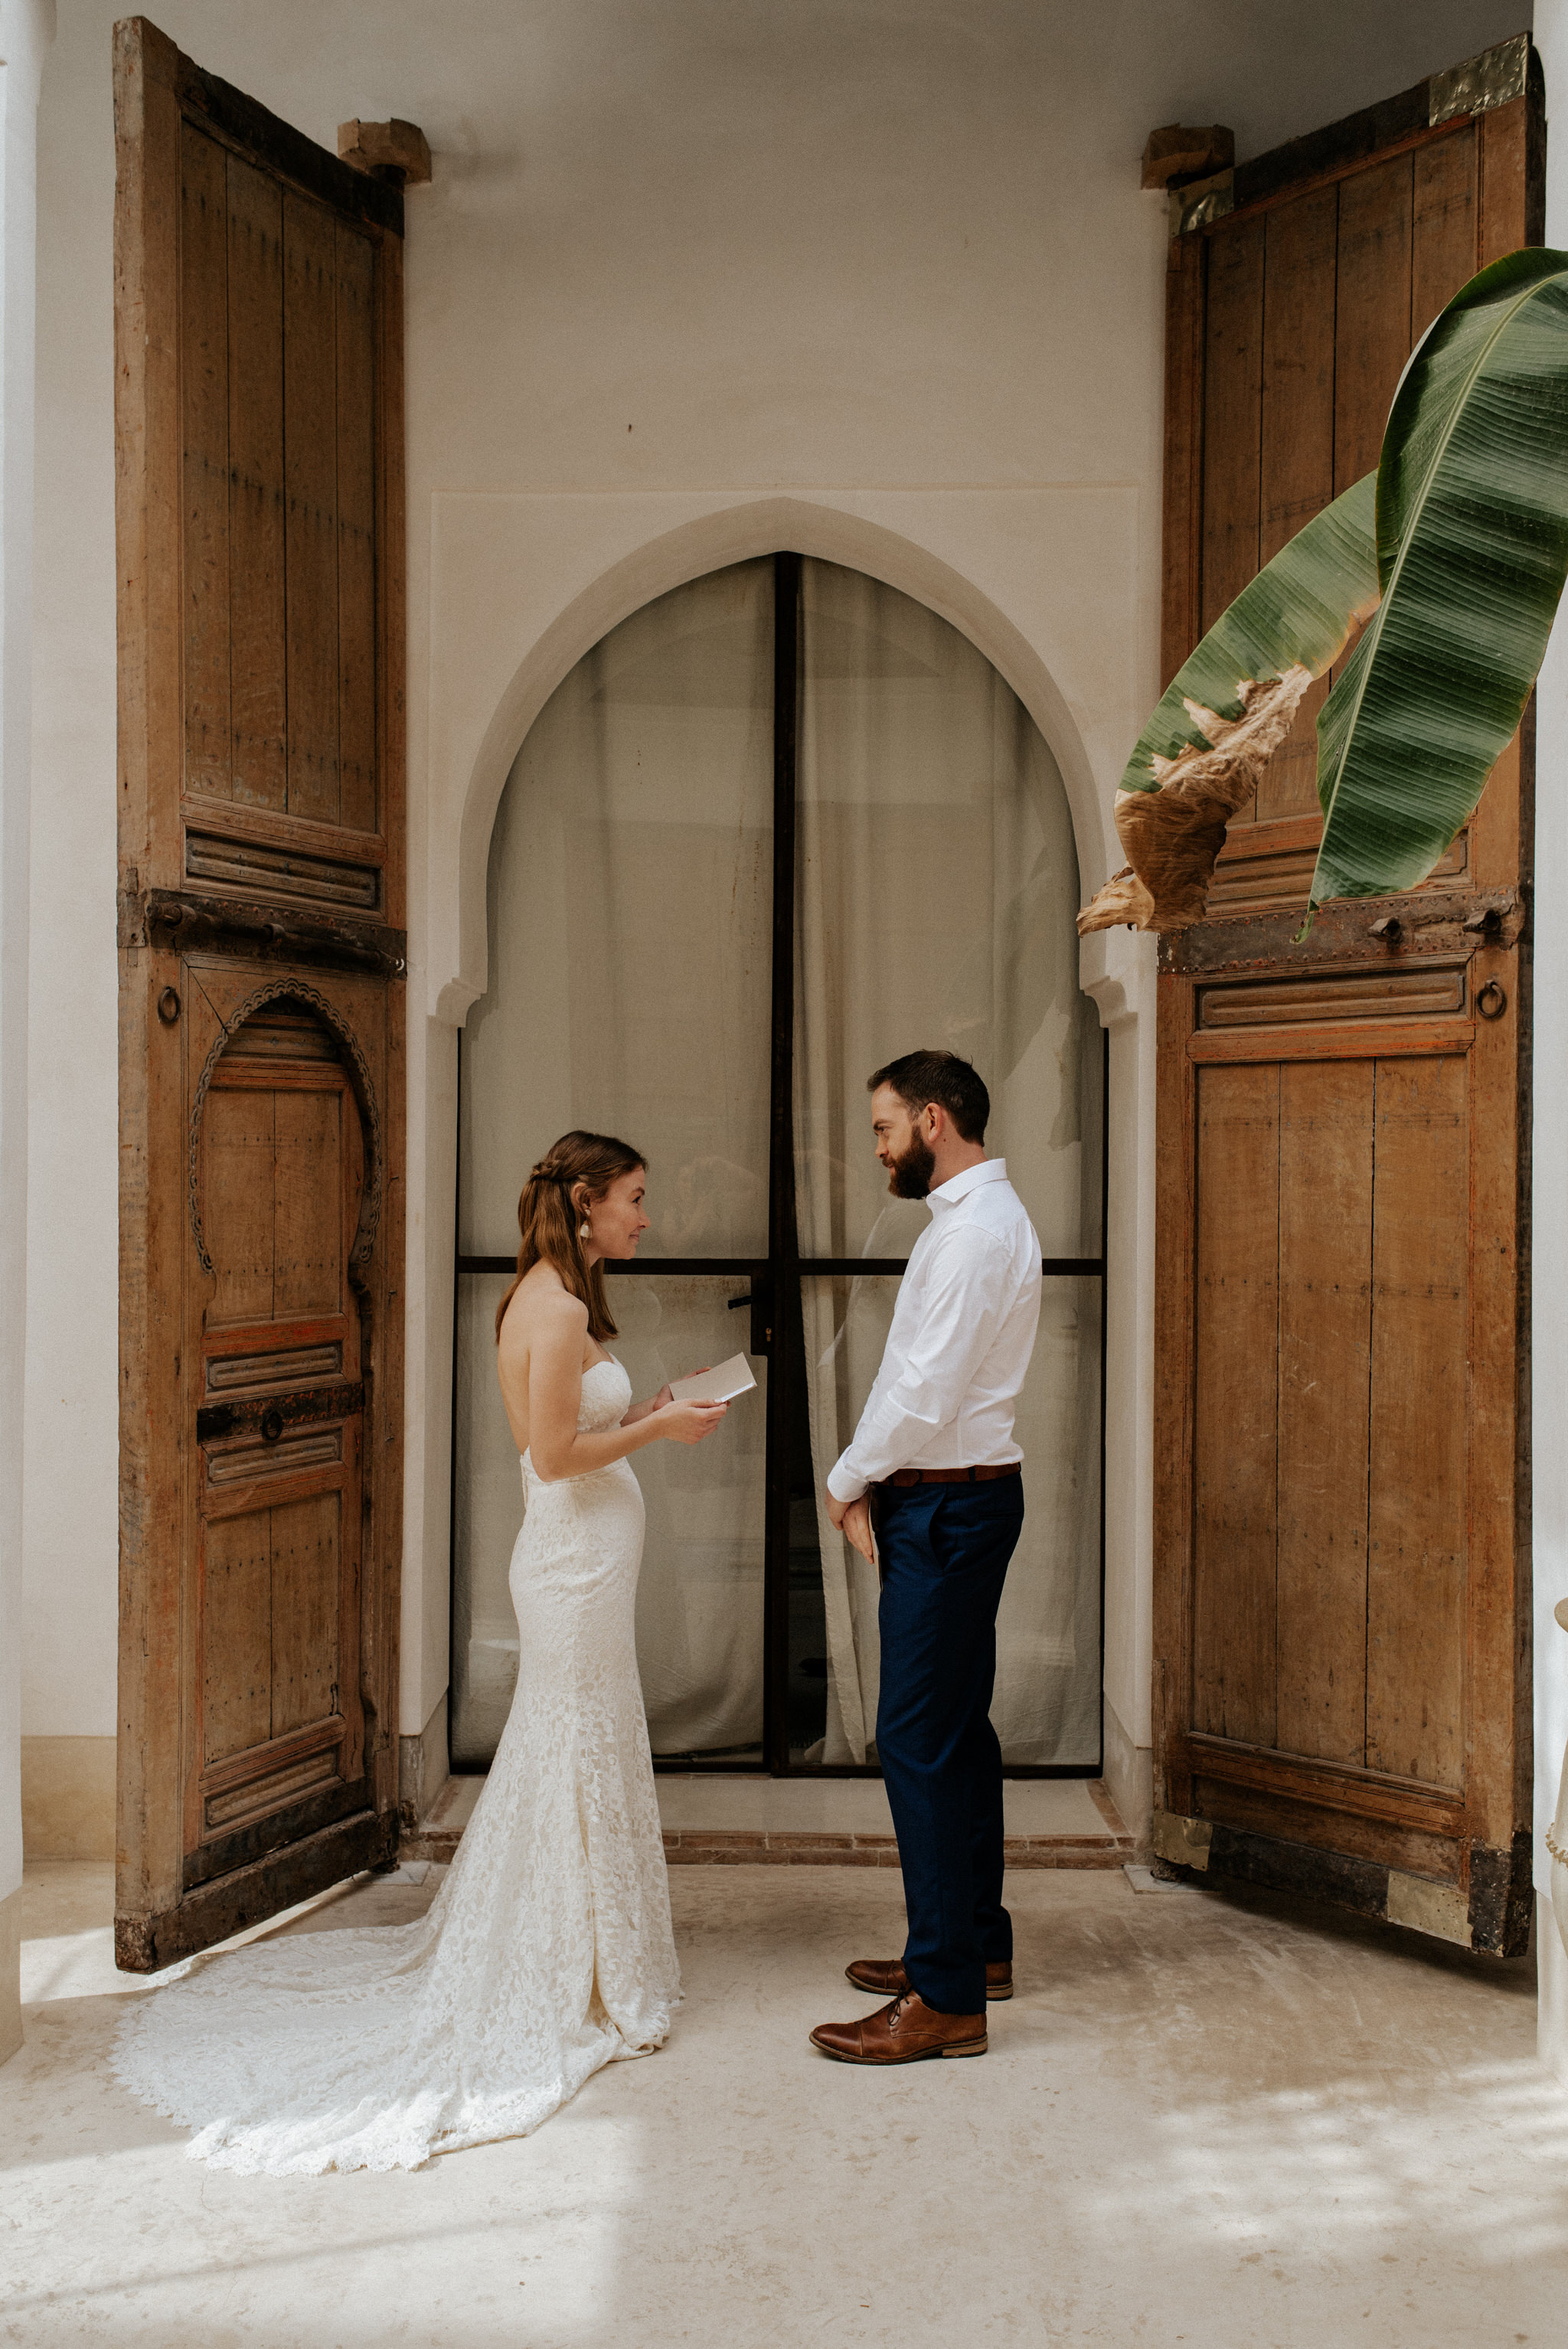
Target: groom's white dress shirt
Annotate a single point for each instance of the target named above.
(963, 1332)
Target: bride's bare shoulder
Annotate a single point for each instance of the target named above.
(541, 1310)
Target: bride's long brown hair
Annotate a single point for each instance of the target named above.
(572, 1173)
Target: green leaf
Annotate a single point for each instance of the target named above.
(1472, 551)
(1296, 613)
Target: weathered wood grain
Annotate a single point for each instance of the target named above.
(1297, 451)
(1503, 175)
(1232, 415)
(236, 1600)
(1348, 1039)
(1372, 333)
(1417, 1552)
(239, 1149)
(310, 460)
(1325, 1358)
(392, 614)
(307, 1185)
(256, 485)
(1443, 228)
(1181, 545)
(355, 408)
(1500, 1696)
(1232, 423)
(305, 1569)
(1235, 1470)
(204, 383)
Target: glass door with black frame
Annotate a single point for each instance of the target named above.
(631, 878)
(778, 828)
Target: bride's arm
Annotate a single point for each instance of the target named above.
(641, 1409)
(555, 1394)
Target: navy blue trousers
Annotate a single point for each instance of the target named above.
(945, 1551)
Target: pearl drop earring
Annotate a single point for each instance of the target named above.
(583, 1231)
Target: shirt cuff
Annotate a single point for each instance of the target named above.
(843, 1482)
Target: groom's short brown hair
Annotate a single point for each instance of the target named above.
(942, 1078)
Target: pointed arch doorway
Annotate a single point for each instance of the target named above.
(779, 826)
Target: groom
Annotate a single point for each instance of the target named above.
(934, 1468)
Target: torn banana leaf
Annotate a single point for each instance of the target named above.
(1472, 550)
(1228, 710)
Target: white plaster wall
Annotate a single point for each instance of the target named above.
(879, 269)
(25, 29)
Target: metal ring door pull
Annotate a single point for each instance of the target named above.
(272, 1426)
(1491, 1002)
(169, 1006)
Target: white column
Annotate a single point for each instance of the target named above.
(26, 27)
(1117, 970)
(1549, 1215)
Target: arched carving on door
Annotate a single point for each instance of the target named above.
(284, 991)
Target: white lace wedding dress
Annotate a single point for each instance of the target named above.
(548, 1950)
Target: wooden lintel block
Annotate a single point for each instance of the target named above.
(386, 148)
(1181, 152)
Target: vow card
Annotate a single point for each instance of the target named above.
(731, 1379)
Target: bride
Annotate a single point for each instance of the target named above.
(548, 1950)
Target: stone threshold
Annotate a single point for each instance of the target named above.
(730, 1847)
(813, 1846)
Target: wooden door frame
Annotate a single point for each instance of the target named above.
(169, 934)
(1476, 911)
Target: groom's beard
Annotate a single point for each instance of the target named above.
(909, 1177)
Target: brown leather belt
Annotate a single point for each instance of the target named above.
(950, 1475)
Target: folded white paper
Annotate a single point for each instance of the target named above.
(731, 1379)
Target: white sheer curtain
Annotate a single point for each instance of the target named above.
(937, 885)
(630, 934)
(630, 928)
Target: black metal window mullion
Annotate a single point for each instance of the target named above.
(782, 1302)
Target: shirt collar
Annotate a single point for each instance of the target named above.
(948, 1194)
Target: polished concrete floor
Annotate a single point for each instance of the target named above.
(1207, 2118)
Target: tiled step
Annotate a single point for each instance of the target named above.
(712, 1821)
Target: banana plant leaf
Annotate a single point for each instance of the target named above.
(1472, 551)
(1229, 708)
(1455, 555)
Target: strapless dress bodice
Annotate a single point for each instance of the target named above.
(606, 1392)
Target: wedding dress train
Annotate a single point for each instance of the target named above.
(548, 1950)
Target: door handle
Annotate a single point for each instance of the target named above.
(760, 1301)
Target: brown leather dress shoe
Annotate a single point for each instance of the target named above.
(885, 1977)
(901, 2033)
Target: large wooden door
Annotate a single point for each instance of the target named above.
(1342, 1481)
(259, 521)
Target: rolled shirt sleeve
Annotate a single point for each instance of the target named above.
(966, 1294)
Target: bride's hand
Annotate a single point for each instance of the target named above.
(689, 1422)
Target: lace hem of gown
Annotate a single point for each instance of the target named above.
(547, 1953)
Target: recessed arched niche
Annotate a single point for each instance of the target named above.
(778, 827)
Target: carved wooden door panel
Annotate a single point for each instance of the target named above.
(276, 1717)
(259, 449)
(1342, 1481)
